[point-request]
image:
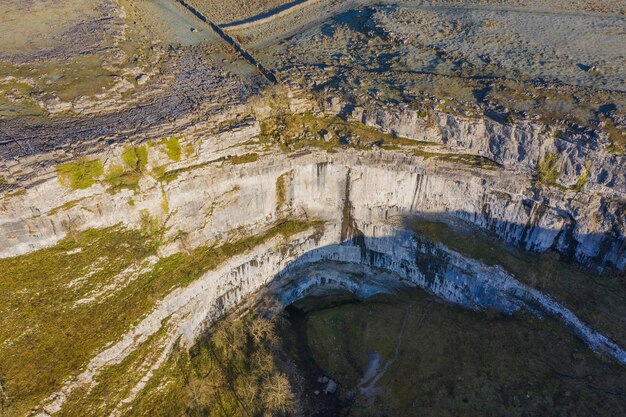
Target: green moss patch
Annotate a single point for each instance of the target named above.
(172, 148)
(80, 174)
(548, 171)
(582, 180)
(189, 150)
(128, 175)
(119, 178)
(243, 159)
(135, 157)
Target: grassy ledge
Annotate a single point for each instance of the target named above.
(295, 132)
(243, 159)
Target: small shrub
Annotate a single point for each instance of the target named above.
(547, 170)
(165, 204)
(582, 180)
(150, 226)
(617, 136)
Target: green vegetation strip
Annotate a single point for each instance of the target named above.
(293, 132)
(46, 337)
(83, 173)
(243, 159)
(281, 189)
(135, 159)
(169, 176)
(114, 384)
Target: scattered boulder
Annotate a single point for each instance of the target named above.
(142, 79)
(326, 135)
(331, 388)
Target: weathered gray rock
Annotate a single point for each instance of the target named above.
(331, 387)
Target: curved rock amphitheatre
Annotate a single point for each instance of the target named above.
(215, 164)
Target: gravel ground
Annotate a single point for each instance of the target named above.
(596, 6)
(518, 44)
(580, 49)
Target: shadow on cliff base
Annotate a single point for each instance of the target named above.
(465, 265)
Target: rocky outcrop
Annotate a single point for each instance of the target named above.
(373, 266)
(364, 199)
(517, 146)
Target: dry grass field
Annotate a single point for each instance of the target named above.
(233, 11)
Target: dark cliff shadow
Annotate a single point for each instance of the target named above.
(465, 265)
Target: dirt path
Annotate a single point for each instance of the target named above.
(371, 378)
(269, 16)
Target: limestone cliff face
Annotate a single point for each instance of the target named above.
(206, 204)
(588, 226)
(212, 197)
